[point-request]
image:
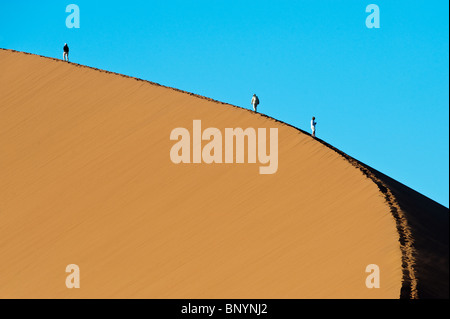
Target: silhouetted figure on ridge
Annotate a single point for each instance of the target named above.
(255, 102)
(313, 127)
(66, 52)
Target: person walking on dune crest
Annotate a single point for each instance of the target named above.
(255, 102)
(313, 127)
(66, 52)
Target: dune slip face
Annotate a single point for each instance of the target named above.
(86, 178)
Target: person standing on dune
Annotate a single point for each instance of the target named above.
(313, 127)
(66, 52)
(255, 102)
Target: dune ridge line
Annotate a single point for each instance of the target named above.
(410, 281)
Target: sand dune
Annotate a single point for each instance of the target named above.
(86, 179)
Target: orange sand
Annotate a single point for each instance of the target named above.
(86, 179)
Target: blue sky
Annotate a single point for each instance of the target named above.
(380, 95)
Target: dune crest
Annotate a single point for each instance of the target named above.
(86, 178)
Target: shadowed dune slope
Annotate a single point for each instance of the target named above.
(429, 225)
(86, 179)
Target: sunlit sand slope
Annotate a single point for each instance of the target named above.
(86, 179)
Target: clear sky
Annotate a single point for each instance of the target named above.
(380, 95)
